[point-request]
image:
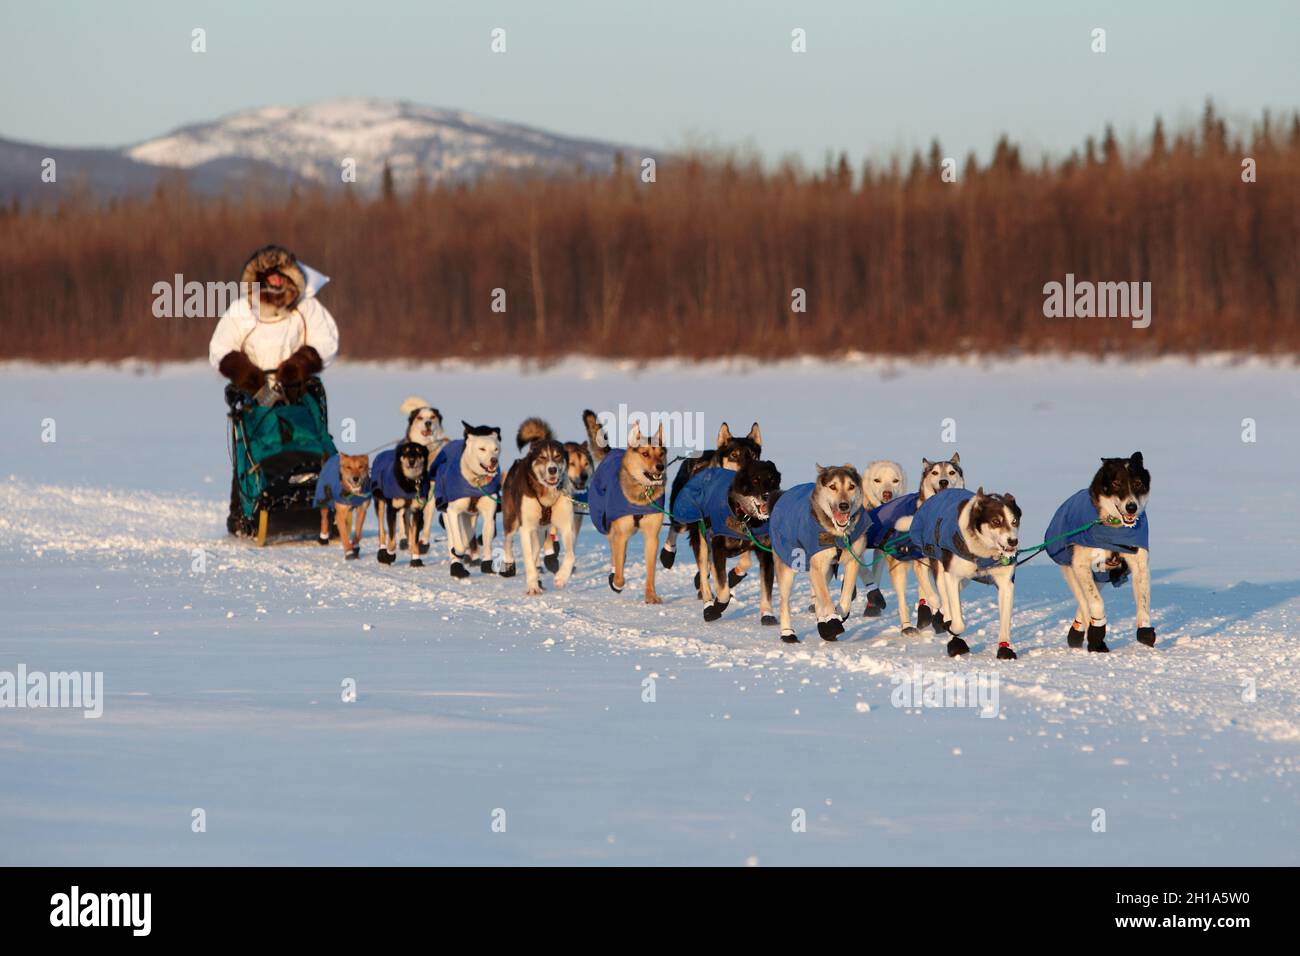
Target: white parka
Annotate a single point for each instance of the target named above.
(271, 338)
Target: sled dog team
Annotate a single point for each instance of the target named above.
(731, 504)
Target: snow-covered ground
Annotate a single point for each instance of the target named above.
(223, 686)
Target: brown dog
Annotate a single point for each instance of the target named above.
(344, 486)
(533, 499)
(627, 495)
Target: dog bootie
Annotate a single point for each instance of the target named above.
(957, 646)
(458, 570)
(612, 586)
(353, 554)
(830, 630)
(923, 614)
(323, 539)
(486, 566)
(769, 620)
(1097, 639)
(508, 570)
(875, 603)
(423, 546)
(385, 557)
(416, 563)
(1005, 653)
(401, 544)
(552, 562)
(789, 637)
(734, 577)
(939, 624)
(714, 611)
(1147, 636)
(667, 556)
(1075, 636)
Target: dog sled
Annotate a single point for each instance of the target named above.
(276, 453)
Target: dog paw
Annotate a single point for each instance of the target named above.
(616, 588)
(401, 544)
(1075, 637)
(417, 563)
(1005, 653)
(734, 577)
(352, 555)
(385, 557)
(424, 547)
(957, 646)
(323, 539)
(666, 557)
(870, 610)
(552, 562)
(939, 624)
(714, 611)
(653, 598)
(561, 580)
(486, 566)
(830, 630)
(508, 570)
(911, 632)
(768, 620)
(535, 589)
(924, 616)
(789, 637)
(1097, 639)
(876, 599)
(458, 570)
(1147, 636)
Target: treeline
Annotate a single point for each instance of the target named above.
(707, 260)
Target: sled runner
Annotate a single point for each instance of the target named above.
(276, 454)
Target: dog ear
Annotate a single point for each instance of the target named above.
(755, 435)
(979, 492)
(497, 432)
(724, 435)
(1136, 459)
(925, 465)
(634, 435)
(659, 436)
(956, 458)
(468, 427)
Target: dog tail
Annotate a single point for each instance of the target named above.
(597, 440)
(533, 429)
(412, 403)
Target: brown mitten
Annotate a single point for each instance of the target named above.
(299, 367)
(241, 371)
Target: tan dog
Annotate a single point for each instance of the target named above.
(344, 486)
(627, 495)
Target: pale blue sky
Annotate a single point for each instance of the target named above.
(877, 77)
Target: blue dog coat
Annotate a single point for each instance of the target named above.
(329, 487)
(606, 502)
(1076, 511)
(880, 526)
(936, 528)
(794, 527)
(383, 479)
(448, 482)
(704, 497)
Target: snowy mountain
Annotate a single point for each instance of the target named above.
(315, 141)
(283, 144)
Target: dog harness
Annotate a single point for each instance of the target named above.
(383, 480)
(606, 502)
(794, 528)
(937, 528)
(705, 497)
(880, 526)
(329, 487)
(1077, 510)
(448, 482)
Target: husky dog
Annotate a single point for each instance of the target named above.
(466, 481)
(1102, 535)
(734, 507)
(731, 453)
(969, 535)
(579, 467)
(399, 483)
(890, 522)
(344, 486)
(810, 524)
(882, 482)
(424, 425)
(533, 499)
(597, 440)
(627, 495)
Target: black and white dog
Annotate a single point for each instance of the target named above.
(970, 535)
(1100, 535)
(399, 484)
(424, 427)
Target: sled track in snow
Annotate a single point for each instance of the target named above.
(1194, 682)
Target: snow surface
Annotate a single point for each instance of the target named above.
(223, 687)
